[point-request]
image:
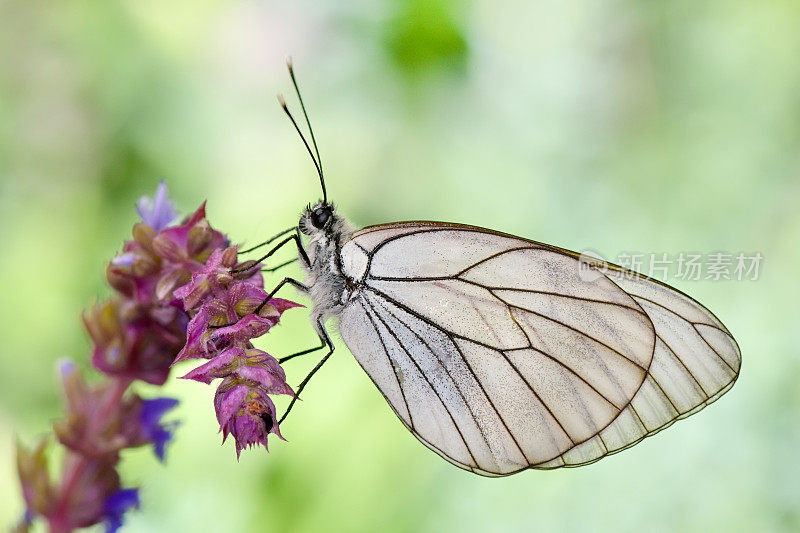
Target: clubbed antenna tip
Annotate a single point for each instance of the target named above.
(315, 157)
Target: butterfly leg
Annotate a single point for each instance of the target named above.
(303, 288)
(285, 263)
(303, 256)
(301, 253)
(291, 281)
(250, 264)
(303, 352)
(268, 241)
(326, 341)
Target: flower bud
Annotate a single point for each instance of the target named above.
(168, 249)
(245, 269)
(229, 256)
(144, 265)
(37, 490)
(200, 236)
(167, 283)
(92, 431)
(119, 282)
(135, 341)
(144, 235)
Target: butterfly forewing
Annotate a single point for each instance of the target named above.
(501, 354)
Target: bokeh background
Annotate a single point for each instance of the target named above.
(617, 125)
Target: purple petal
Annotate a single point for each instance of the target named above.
(152, 428)
(242, 290)
(256, 357)
(218, 367)
(245, 329)
(248, 431)
(157, 212)
(282, 305)
(272, 383)
(180, 234)
(229, 402)
(196, 342)
(117, 504)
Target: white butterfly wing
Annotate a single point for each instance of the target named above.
(498, 354)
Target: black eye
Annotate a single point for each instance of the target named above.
(320, 217)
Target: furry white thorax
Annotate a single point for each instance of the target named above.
(329, 289)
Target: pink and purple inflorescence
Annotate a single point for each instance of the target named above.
(177, 296)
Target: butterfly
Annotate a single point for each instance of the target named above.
(501, 353)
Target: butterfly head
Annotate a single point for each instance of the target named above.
(318, 219)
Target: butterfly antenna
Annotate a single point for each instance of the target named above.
(308, 148)
(305, 114)
(318, 159)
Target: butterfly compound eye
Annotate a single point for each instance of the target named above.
(320, 217)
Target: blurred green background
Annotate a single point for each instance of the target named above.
(618, 125)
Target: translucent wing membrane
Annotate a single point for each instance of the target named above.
(500, 355)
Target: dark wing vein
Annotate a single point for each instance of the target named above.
(494, 255)
(419, 278)
(516, 289)
(550, 293)
(541, 401)
(694, 325)
(383, 243)
(576, 330)
(560, 363)
(423, 318)
(433, 389)
(494, 408)
(664, 393)
(391, 364)
(450, 335)
(678, 358)
(450, 376)
(574, 373)
(599, 360)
